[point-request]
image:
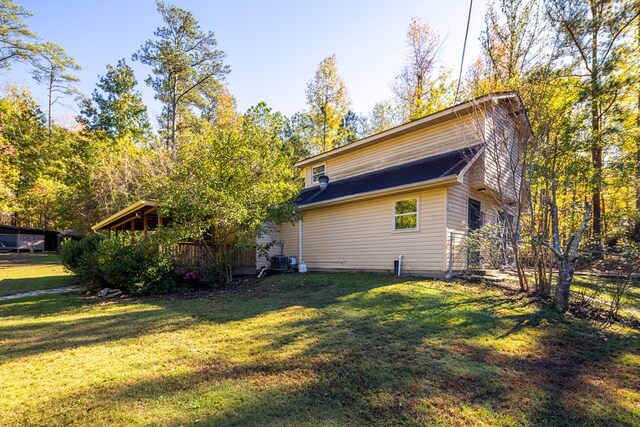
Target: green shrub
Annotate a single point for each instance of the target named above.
(72, 251)
(139, 269)
(80, 256)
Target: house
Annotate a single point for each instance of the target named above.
(410, 194)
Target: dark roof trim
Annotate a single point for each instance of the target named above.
(27, 230)
(441, 169)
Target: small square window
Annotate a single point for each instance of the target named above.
(405, 215)
(504, 146)
(317, 172)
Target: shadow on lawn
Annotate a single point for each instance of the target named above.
(384, 355)
(166, 314)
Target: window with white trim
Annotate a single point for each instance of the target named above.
(405, 215)
(317, 172)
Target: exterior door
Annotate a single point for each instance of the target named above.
(475, 215)
(475, 222)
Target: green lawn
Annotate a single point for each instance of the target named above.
(30, 272)
(314, 349)
(600, 290)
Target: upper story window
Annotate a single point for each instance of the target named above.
(405, 215)
(504, 146)
(317, 171)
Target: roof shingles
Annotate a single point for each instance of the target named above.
(427, 169)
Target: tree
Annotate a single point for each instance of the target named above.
(116, 107)
(184, 62)
(566, 254)
(16, 40)
(54, 68)
(352, 126)
(237, 176)
(422, 88)
(23, 139)
(384, 115)
(328, 103)
(592, 30)
(511, 41)
(299, 134)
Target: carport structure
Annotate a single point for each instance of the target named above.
(139, 216)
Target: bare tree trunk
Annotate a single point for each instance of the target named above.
(566, 268)
(636, 231)
(596, 146)
(174, 108)
(567, 258)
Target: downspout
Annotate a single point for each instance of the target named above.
(300, 240)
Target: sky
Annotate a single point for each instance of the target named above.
(272, 47)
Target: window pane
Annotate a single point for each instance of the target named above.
(316, 171)
(406, 206)
(406, 222)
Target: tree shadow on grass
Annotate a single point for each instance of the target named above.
(143, 316)
(386, 355)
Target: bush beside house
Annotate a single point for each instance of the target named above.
(138, 269)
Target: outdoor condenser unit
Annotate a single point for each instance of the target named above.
(280, 263)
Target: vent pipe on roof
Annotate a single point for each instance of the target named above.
(324, 181)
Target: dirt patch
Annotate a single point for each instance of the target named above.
(244, 285)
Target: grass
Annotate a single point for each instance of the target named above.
(30, 272)
(599, 291)
(315, 349)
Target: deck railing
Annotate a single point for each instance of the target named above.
(189, 254)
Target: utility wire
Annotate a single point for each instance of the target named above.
(464, 47)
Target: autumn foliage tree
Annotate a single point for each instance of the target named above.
(422, 87)
(237, 176)
(328, 104)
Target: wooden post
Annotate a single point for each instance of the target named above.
(133, 230)
(144, 224)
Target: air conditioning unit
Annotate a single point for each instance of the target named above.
(280, 263)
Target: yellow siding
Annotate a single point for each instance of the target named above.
(268, 237)
(289, 234)
(457, 218)
(360, 236)
(502, 156)
(457, 133)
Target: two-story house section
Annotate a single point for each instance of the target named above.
(401, 193)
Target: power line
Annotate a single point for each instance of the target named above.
(464, 47)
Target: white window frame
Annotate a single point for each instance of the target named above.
(315, 176)
(416, 213)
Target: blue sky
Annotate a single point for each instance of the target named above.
(273, 47)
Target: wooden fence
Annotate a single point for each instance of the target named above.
(190, 254)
